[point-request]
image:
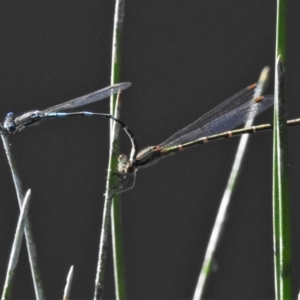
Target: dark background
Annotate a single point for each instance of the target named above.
(183, 58)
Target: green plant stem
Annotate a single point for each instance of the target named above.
(112, 207)
(116, 212)
(281, 194)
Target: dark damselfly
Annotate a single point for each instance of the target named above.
(214, 125)
(14, 124)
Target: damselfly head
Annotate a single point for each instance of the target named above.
(9, 123)
(122, 163)
(123, 158)
(125, 166)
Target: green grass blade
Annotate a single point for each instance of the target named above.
(116, 212)
(112, 209)
(281, 194)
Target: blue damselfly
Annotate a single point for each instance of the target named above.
(14, 124)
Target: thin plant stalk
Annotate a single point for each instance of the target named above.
(67, 290)
(112, 204)
(281, 193)
(116, 213)
(15, 251)
(226, 199)
(31, 249)
(116, 229)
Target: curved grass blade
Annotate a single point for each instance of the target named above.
(15, 251)
(67, 290)
(30, 244)
(222, 213)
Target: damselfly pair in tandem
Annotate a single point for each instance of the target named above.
(214, 125)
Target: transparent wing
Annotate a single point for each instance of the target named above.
(233, 112)
(90, 98)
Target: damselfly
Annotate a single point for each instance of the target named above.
(14, 124)
(214, 125)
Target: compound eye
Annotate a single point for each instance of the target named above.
(11, 128)
(123, 159)
(10, 116)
